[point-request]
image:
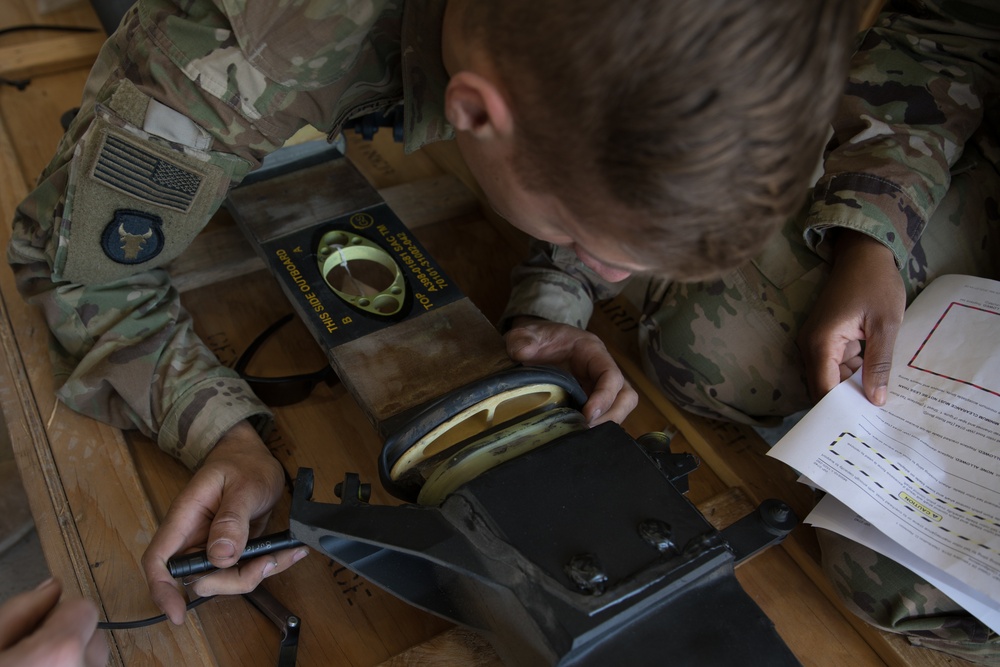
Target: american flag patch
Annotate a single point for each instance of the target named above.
(146, 176)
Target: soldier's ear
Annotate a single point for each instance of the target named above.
(474, 104)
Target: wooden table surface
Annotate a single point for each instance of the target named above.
(97, 493)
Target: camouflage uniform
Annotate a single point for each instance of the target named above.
(186, 98)
(913, 162)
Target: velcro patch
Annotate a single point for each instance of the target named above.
(129, 168)
(133, 237)
(134, 202)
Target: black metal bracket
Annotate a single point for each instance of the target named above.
(576, 553)
(288, 623)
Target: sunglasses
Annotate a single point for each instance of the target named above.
(280, 391)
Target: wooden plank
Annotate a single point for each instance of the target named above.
(457, 647)
(61, 544)
(383, 162)
(726, 508)
(870, 12)
(816, 632)
(15, 514)
(82, 486)
(55, 54)
(32, 115)
(220, 252)
(404, 366)
(282, 204)
(429, 200)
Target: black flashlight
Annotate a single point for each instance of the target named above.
(196, 563)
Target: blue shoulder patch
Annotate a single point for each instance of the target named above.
(133, 237)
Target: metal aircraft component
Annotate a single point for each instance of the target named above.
(579, 552)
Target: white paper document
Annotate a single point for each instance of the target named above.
(924, 469)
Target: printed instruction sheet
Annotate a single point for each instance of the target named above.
(923, 470)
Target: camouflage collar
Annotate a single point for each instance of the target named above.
(424, 76)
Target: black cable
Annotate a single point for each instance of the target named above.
(39, 26)
(129, 625)
(20, 84)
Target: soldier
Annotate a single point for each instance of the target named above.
(663, 104)
(909, 191)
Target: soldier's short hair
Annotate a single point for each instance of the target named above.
(705, 118)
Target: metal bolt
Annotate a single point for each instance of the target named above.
(587, 573)
(657, 534)
(364, 491)
(656, 441)
(779, 512)
(777, 517)
(699, 544)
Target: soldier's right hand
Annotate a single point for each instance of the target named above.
(229, 499)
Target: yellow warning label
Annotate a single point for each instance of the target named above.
(920, 507)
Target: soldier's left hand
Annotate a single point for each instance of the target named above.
(863, 300)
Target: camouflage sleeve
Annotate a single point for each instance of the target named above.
(554, 285)
(913, 99)
(174, 114)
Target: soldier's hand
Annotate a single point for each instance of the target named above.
(863, 300)
(228, 500)
(609, 396)
(37, 629)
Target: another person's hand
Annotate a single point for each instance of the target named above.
(227, 501)
(37, 629)
(536, 341)
(863, 300)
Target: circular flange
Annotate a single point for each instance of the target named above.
(468, 413)
(499, 446)
(477, 419)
